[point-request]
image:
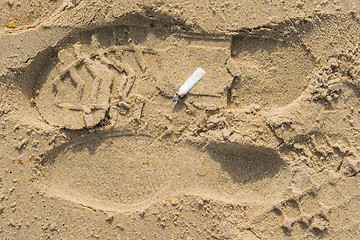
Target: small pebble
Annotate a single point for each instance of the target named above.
(174, 201)
(12, 25)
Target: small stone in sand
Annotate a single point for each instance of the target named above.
(12, 25)
(20, 161)
(174, 201)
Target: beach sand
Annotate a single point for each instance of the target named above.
(265, 146)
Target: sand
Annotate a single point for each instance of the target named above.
(265, 146)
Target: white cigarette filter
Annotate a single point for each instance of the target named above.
(190, 82)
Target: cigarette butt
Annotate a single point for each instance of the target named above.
(189, 83)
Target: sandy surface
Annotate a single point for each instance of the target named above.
(265, 146)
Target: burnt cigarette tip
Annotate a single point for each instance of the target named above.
(176, 98)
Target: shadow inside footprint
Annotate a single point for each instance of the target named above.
(246, 163)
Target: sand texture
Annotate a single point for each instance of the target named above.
(265, 146)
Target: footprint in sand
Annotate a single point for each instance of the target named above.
(127, 172)
(267, 72)
(95, 70)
